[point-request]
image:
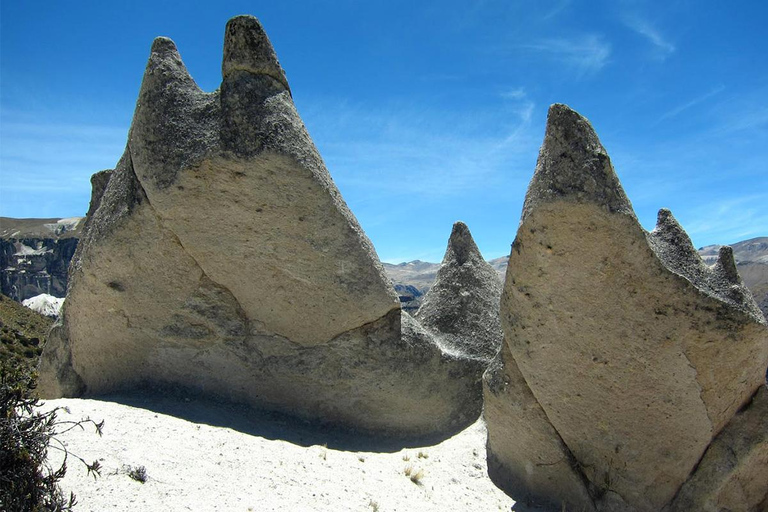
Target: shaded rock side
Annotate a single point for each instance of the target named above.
(526, 456)
(462, 305)
(636, 351)
(733, 475)
(221, 258)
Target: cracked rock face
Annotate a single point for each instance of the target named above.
(221, 257)
(462, 306)
(624, 354)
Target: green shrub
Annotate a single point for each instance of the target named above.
(27, 481)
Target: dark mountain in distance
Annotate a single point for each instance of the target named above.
(35, 255)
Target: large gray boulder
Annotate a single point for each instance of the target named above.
(222, 258)
(462, 306)
(637, 353)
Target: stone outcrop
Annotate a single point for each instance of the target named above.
(625, 355)
(220, 257)
(462, 306)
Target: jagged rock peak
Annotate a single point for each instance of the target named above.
(726, 264)
(164, 46)
(247, 48)
(165, 65)
(99, 182)
(670, 230)
(461, 245)
(462, 307)
(574, 166)
(674, 248)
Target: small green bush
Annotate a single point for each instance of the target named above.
(138, 473)
(27, 481)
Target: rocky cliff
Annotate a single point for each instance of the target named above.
(35, 255)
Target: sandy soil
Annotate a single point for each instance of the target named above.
(207, 456)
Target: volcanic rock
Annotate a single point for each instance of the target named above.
(637, 352)
(463, 303)
(222, 258)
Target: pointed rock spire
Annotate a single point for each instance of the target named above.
(165, 66)
(247, 48)
(461, 246)
(726, 265)
(676, 252)
(674, 248)
(574, 166)
(625, 338)
(462, 306)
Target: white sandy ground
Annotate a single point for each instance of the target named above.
(245, 463)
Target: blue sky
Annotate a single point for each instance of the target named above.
(425, 112)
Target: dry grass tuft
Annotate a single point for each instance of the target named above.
(414, 474)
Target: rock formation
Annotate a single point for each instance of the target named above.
(462, 306)
(624, 355)
(35, 256)
(752, 263)
(220, 257)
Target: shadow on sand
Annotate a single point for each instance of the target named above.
(267, 424)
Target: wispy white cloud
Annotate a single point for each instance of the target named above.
(556, 9)
(692, 103)
(730, 219)
(45, 167)
(585, 54)
(406, 149)
(517, 93)
(744, 118)
(645, 28)
(433, 165)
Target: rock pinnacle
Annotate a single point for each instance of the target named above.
(574, 166)
(247, 48)
(461, 246)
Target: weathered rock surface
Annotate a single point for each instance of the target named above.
(733, 475)
(526, 456)
(221, 257)
(462, 305)
(35, 255)
(636, 351)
